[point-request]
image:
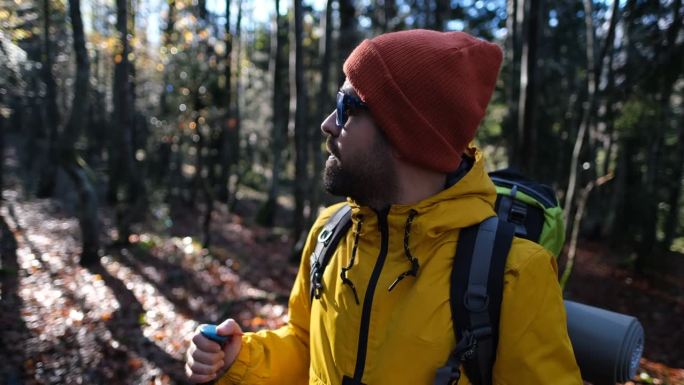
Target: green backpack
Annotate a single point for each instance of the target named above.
(532, 207)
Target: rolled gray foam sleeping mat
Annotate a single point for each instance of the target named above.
(607, 345)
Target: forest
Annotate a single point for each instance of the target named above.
(161, 162)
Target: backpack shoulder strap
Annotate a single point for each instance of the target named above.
(475, 297)
(328, 238)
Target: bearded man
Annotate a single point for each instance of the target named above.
(399, 142)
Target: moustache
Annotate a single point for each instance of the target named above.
(332, 147)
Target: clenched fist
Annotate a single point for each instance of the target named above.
(206, 360)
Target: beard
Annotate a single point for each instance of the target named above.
(370, 177)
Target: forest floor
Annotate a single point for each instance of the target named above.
(126, 320)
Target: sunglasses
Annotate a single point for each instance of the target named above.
(346, 102)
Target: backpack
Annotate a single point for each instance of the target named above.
(524, 208)
(532, 207)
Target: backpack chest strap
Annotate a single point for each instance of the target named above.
(328, 238)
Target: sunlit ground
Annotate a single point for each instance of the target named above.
(124, 322)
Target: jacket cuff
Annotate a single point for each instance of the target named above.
(236, 373)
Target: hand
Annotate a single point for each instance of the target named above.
(206, 359)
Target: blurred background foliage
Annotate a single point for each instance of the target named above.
(182, 138)
(139, 105)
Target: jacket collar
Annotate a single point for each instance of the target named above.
(465, 203)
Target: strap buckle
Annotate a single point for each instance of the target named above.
(517, 216)
(518, 212)
(315, 280)
(466, 346)
(325, 236)
(465, 349)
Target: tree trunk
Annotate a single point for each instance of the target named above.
(594, 71)
(203, 173)
(202, 8)
(617, 224)
(348, 38)
(225, 138)
(125, 170)
(515, 15)
(517, 40)
(81, 101)
(441, 12)
(299, 111)
(97, 114)
(204, 178)
(665, 53)
(236, 121)
(3, 128)
(161, 174)
(631, 55)
(72, 164)
(649, 220)
(88, 215)
(199, 182)
(121, 116)
(168, 42)
(674, 201)
(599, 95)
(379, 17)
(527, 135)
(672, 219)
(610, 114)
(581, 205)
(607, 216)
(324, 104)
(31, 120)
(51, 119)
(586, 116)
(267, 213)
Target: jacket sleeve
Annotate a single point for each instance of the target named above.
(534, 347)
(282, 355)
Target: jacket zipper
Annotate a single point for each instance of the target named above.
(368, 298)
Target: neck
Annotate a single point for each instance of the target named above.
(416, 184)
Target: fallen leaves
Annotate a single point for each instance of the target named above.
(135, 363)
(126, 322)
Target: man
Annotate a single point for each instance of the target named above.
(399, 143)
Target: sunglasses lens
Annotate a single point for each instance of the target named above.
(341, 115)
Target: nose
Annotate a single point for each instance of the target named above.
(329, 126)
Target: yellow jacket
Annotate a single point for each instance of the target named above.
(404, 335)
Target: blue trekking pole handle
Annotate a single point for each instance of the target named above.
(209, 331)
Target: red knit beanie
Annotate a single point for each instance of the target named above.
(426, 90)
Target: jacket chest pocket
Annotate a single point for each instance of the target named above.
(428, 325)
(416, 343)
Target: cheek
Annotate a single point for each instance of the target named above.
(359, 133)
(344, 141)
